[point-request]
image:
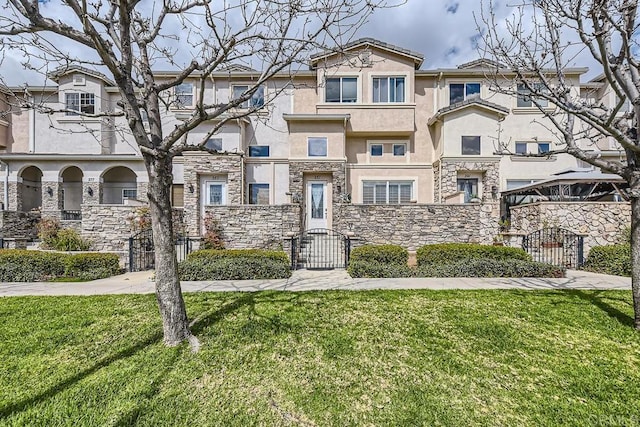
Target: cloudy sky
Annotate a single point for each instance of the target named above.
(444, 31)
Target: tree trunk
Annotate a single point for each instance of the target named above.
(635, 251)
(168, 292)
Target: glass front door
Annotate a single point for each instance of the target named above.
(316, 204)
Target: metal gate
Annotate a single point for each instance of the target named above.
(142, 254)
(320, 249)
(555, 246)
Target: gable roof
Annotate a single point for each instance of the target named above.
(417, 58)
(480, 63)
(234, 68)
(468, 103)
(68, 69)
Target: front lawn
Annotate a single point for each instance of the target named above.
(324, 358)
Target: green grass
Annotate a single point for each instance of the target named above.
(324, 358)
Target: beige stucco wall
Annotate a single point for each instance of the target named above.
(300, 131)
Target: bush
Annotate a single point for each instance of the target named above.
(384, 254)
(233, 269)
(486, 267)
(53, 236)
(610, 259)
(446, 253)
(365, 269)
(18, 265)
(240, 253)
(92, 266)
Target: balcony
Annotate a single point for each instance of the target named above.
(381, 119)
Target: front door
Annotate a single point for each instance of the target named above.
(316, 204)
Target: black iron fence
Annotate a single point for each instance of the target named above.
(71, 215)
(142, 252)
(555, 246)
(320, 249)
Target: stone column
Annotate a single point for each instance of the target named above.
(142, 189)
(15, 196)
(91, 193)
(51, 200)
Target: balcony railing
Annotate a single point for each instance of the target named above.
(71, 215)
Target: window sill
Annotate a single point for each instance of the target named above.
(386, 105)
(531, 110)
(79, 119)
(551, 158)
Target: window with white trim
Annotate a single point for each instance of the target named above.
(80, 103)
(459, 92)
(399, 149)
(470, 145)
(376, 150)
(214, 144)
(317, 146)
(524, 96)
(387, 192)
(129, 193)
(341, 89)
(388, 89)
(184, 95)
(255, 101)
(523, 148)
(258, 194)
(215, 193)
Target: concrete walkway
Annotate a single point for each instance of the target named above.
(307, 280)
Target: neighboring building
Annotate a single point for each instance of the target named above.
(363, 127)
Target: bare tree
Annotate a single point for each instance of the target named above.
(537, 44)
(129, 39)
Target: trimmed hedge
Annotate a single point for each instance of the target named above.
(386, 254)
(486, 267)
(235, 264)
(366, 269)
(18, 265)
(446, 253)
(610, 259)
(91, 266)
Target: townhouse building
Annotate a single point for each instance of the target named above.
(364, 142)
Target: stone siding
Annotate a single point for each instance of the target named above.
(448, 183)
(255, 226)
(19, 224)
(54, 201)
(297, 169)
(196, 165)
(108, 227)
(412, 226)
(602, 223)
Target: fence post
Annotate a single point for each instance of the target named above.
(294, 260)
(131, 254)
(580, 251)
(347, 249)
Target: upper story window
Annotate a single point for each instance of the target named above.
(386, 192)
(458, 92)
(341, 89)
(388, 89)
(317, 146)
(524, 97)
(258, 151)
(532, 147)
(376, 149)
(214, 144)
(80, 103)
(256, 100)
(184, 95)
(470, 145)
(399, 149)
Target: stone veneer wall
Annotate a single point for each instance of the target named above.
(256, 226)
(602, 223)
(107, 226)
(199, 164)
(297, 169)
(449, 182)
(412, 226)
(19, 224)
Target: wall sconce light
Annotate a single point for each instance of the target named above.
(494, 191)
(191, 189)
(90, 191)
(50, 191)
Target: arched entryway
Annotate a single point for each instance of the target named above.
(71, 191)
(118, 183)
(30, 189)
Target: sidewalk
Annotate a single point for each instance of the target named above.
(307, 280)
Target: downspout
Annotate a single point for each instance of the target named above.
(435, 108)
(32, 126)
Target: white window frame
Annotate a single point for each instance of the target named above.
(252, 102)
(465, 96)
(479, 145)
(389, 91)
(207, 193)
(250, 187)
(538, 144)
(404, 150)
(387, 184)
(135, 191)
(376, 144)
(83, 100)
(522, 143)
(521, 97)
(531, 147)
(317, 138)
(178, 94)
(341, 78)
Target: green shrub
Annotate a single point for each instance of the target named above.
(360, 269)
(18, 265)
(233, 268)
(68, 239)
(91, 266)
(610, 259)
(239, 253)
(486, 267)
(385, 254)
(446, 253)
